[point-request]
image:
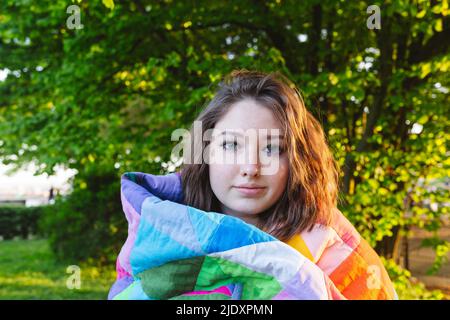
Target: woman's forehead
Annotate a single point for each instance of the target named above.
(249, 113)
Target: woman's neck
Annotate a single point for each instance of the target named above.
(248, 218)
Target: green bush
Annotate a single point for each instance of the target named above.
(408, 287)
(17, 221)
(89, 223)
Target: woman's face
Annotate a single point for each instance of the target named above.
(252, 159)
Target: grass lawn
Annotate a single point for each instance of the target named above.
(28, 271)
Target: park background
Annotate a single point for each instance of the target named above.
(97, 87)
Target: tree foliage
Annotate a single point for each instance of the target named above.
(110, 94)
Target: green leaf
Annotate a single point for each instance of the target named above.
(108, 3)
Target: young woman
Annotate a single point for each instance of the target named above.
(267, 163)
(297, 204)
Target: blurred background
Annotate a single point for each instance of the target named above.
(92, 89)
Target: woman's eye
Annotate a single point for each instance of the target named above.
(274, 149)
(226, 145)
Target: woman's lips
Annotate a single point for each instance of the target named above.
(250, 191)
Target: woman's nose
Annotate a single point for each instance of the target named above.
(252, 170)
(251, 165)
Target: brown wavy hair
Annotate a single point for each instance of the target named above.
(311, 191)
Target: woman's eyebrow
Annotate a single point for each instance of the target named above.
(231, 132)
(240, 134)
(280, 138)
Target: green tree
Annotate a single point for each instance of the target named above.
(109, 95)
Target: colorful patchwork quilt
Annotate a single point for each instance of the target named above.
(177, 252)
